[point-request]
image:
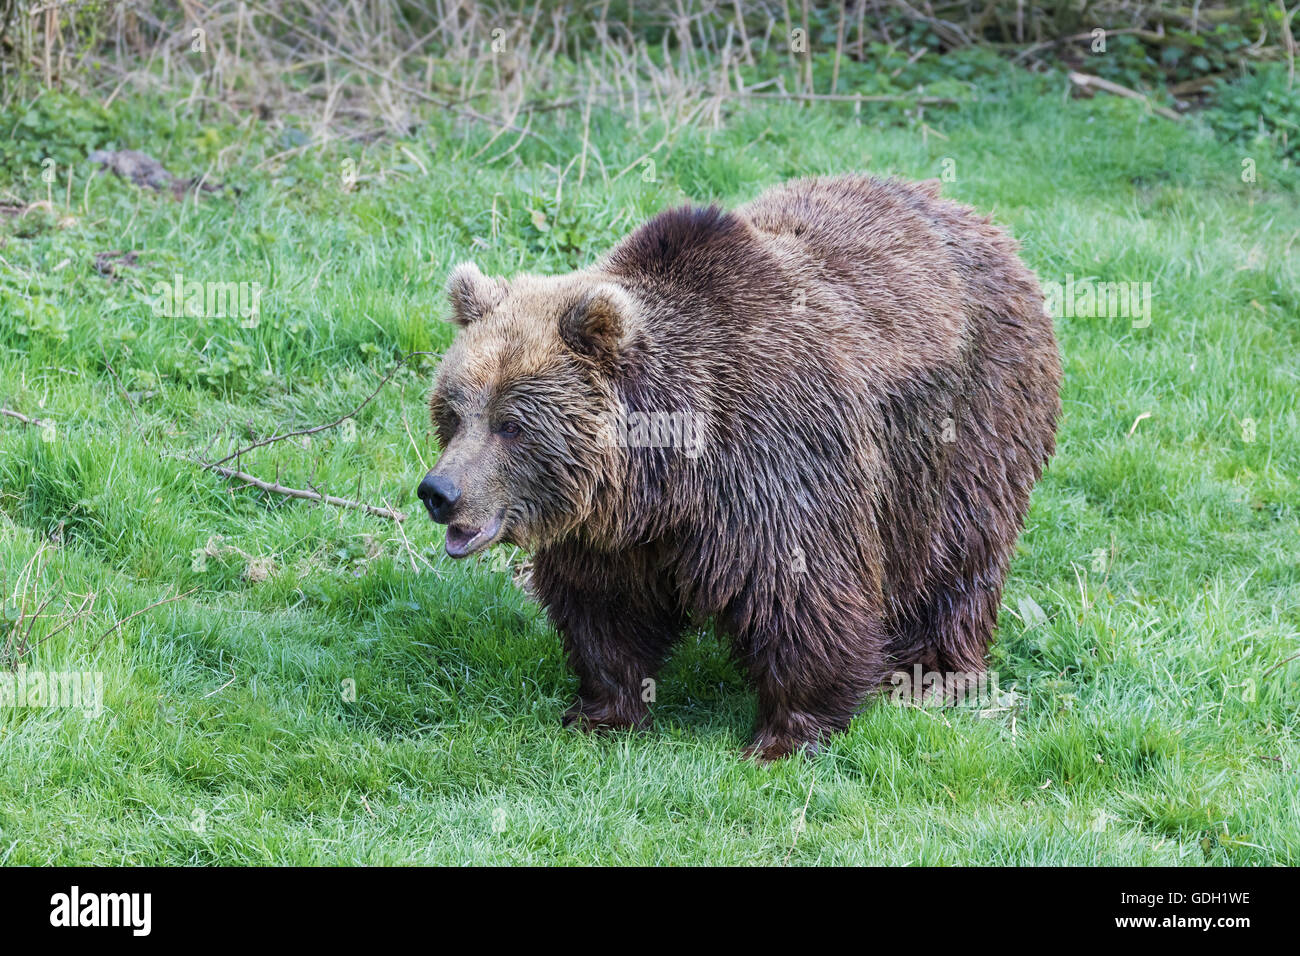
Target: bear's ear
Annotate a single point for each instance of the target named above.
(596, 326)
(471, 293)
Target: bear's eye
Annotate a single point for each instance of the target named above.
(509, 428)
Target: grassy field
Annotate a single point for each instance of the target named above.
(331, 689)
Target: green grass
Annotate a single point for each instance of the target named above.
(1147, 721)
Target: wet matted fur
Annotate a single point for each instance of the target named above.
(873, 382)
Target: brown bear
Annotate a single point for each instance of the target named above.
(815, 421)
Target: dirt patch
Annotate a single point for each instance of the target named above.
(107, 263)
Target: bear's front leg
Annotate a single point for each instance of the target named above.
(618, 627)
(812, 676)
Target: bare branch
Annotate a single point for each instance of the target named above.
(37, 422)
(276, 488)
(1087, 79)
(318, 428)
(131, 617)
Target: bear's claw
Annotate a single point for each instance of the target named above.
(594, 716)
(768, 747)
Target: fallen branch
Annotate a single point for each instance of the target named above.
(947, 31)
(86, 604)
(1196, 85)
(36, 422)
(131, 617)
(1048, 44)
(849, 98)
(1088, 80)
(233, 678)
(310, 494)
(239, 452)
(279, 489)
(1279, 665)
(406, 543)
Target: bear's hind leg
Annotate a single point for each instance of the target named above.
(959, 610)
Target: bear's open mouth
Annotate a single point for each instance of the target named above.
(463, 541)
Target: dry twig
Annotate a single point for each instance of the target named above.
(1086, 80)
(276, 488)
(19, 416)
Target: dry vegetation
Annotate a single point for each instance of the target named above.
(361, 69)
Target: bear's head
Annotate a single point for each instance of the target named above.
(522, 407)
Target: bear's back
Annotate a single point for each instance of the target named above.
(847, 269)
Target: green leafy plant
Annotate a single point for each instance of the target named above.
(55, 126)
(1261, 108)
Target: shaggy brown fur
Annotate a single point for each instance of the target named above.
(875, 380)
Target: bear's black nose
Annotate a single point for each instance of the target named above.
(439, 495)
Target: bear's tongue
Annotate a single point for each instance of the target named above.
(459, 537)
(462, 541)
